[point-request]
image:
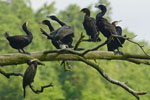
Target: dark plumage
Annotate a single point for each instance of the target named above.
(54, 42)
(90, 27)
(118, 28)
(107, 29)
(119, 31)
(64, 34)
(20, 41)
(30, 72)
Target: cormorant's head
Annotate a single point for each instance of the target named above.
(116, 22)
(53, 17)
(25, 24)
(46, 22)
(34, 61)
(102, 7)
(85, 10)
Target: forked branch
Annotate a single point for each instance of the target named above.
(130, 40)
(116, 82)
(10, 74)
(42, 88)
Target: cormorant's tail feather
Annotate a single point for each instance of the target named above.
(24, 92)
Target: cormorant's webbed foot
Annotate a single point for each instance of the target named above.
(118, 52)
(24, 52)
(19, 51)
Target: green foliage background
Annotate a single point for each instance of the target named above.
(83, 83)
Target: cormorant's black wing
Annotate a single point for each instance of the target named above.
(62, 32)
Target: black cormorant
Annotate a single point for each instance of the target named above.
(30, 72)
(90, 27)
(118, 28)
(20, 41)
(64, 34)
(107, 29)
(54, 42)
(60, 37)
(119, 31)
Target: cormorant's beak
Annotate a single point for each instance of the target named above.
(27, 22)
(117, 22)
(96, 6)
(38, 61)
(81, 11)
(40, 22)
(120, 21)
(48, 17)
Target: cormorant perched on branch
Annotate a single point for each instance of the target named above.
(60, 37)
(107, 29)
(118, 28)
(64, 34)
(119, 31)
(20, 41)
(54, 42)
(90, 27)
(30, 72)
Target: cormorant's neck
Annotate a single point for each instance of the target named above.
(60, 22)
(87, 13)
(50, 26)
(29, 34)
(101, 14)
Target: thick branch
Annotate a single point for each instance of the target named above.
(55, 55)
(116, 82)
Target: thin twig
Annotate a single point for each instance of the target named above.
(129, 39)
(79, 41)
(10, 74)
(42, 88)
(95, 48)
(116, 82)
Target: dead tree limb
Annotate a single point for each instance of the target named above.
(116, 82)
(79, 41)
(129, 39)
(7, 75)
(42, 88)
(66, 54)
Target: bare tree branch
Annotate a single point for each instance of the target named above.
(66, 54)
(79, 41)
(116, 82)
(42, 88)
(95, 48)
(129, 39)
(10, 74)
